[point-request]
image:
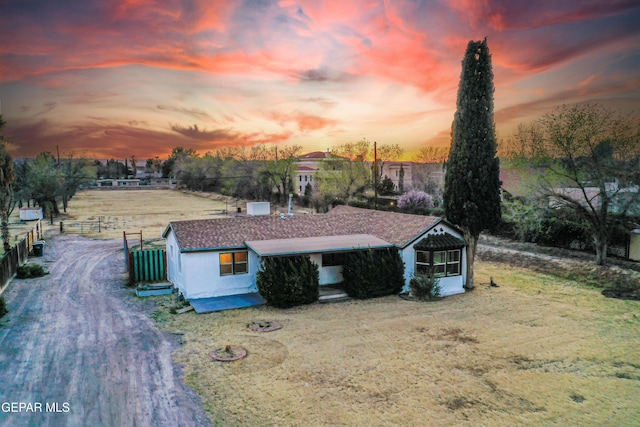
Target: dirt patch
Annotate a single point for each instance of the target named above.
(80, 341)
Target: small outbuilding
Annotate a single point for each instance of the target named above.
(30, 214)
(222, 256)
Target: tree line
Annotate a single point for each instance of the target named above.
(262, 172)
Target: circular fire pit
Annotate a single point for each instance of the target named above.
(228, 353)
(264, 325)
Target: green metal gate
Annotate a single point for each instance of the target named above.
(148, 265)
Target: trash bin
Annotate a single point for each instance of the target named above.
(38, 248)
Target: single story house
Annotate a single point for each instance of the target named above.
(219, 257)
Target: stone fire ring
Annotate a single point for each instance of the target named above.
(264, 325)
(221, 355)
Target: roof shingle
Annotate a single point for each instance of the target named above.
(399, 229)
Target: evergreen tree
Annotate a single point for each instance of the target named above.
(472, 179)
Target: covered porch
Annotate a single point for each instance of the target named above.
(326, 252)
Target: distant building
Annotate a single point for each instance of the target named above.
(308, 167)
(118, 182)
(311, 165)
(394, 171)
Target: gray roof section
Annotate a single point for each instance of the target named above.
(307, 245)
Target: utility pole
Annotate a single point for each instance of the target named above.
(375, 175)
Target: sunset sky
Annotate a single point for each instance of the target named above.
(138, 77)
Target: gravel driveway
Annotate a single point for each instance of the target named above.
(79, 349)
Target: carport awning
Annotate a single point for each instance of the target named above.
(309, 245)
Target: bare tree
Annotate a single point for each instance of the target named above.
(591, 162)
(431, 154)
(346, 172)
(278, 166)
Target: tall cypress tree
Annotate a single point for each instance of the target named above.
(472, 179)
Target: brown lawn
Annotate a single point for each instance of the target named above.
(538, 350)
(535, 351)
(146, 210)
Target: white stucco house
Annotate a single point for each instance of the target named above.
(219, 257)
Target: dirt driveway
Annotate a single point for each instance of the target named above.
(77, 349)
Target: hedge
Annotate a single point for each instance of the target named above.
(288, 281)
(373, 273)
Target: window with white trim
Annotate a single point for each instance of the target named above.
(440, 263)
(234, 263)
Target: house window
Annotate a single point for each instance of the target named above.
(441, 263)
(234, 263)
(305, 178)
(332, 259)
(423, 262)
(453, 263)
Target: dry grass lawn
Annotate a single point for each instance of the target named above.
(146, 210)
(534, 351)
(538, 350)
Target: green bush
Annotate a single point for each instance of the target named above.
(425, 287)
(373, 273)
(29, 271)
(288, 281)
(3, 307)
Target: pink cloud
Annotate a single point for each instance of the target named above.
(304, 122)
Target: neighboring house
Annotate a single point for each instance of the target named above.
(392, 170)
(118, 182)
(311, 165)
(304, 175)
(219, 257)
(428, 177)
(619, 198)
(142, 172)
(308, 167)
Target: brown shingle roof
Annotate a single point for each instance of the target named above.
(399, 229)
(396, 228)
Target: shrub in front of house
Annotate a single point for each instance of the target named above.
(425, 287)
(373, 273)
(288, 281)
(29, 271)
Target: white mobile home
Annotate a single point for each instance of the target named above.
(219, 257)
